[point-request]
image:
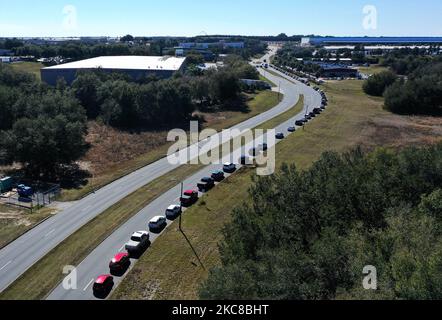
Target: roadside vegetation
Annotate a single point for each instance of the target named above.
(176, 274)
(44, 129)
(308, 235)
(30, 67)
(411, 86)
(15, 221)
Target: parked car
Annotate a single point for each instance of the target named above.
(279, 135)
(299, 123)
(291, 129)
(308, 117)
(120, 262)
(218, 176)
(189, 198)
(312, 114)
(24, 191)
(317, 110)
(206, 184)
(103, 285)
(157, 223)
(138, 242)
(229, 167)
(173, 211)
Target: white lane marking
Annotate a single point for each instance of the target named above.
(121, 249)
(90, 282)
(49, 233)
(7, 264)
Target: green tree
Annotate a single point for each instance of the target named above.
(376, 84)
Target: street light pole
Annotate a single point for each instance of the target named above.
(181, 205)
(279, 92)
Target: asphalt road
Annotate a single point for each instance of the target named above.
(97, 262)
(21, 254)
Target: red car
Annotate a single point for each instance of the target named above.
(120, 262)
(103, 285)
(189, 198)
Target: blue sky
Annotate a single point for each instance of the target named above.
(190, 18)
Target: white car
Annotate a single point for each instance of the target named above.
(157, 223)
(173, 211)
(138, 241)
(229, 167)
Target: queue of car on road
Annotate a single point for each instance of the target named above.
(140, 240)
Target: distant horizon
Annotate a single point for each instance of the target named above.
(218, 35)
(178, 18)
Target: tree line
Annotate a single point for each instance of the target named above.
(44, 127)
(420, 92)
(309, 234)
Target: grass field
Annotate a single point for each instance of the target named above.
(262, 78)
(15, 221)
(175, 273)
(31, 67)
(373, 69)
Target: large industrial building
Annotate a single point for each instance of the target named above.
(137, 67)
(314, 41)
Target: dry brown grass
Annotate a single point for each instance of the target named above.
(110, 146)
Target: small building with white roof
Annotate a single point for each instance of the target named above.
(136, 67)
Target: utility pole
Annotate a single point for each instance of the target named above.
(181, 205)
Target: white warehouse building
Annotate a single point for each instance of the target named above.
(137, 67)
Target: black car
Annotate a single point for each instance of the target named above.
(291, 129)
(308, 117)
(317, 110)
(280, 136)
(218, 176)
(299, 123)
(312, 114)
(206, 184)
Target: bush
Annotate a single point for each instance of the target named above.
(376, 84)
(308, 235)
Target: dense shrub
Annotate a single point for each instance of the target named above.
(308, 235)
(376, 84)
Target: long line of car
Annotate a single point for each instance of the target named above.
(140, 240)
